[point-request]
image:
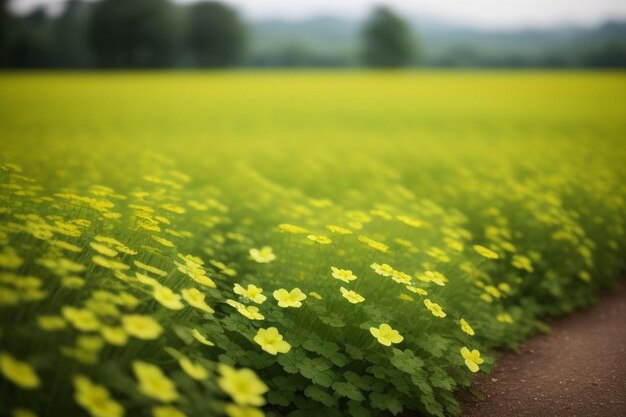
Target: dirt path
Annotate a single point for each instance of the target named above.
(577, 370)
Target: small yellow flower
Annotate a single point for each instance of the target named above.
(291, 298)
(263, 256)
(486, 252)
(114, 335)
(20, 373)
(252, 293)
(95, 398)
(290, 228)
(315, 295)
(167, 298)
(154, 383)
(344, 275)
(401, 277)
(249, 312)
(522, 262)
(386, 335)
(436, 277)
(504, 318)
(167, 411)
(243, 385)
(141, 327)
(23, 412)
(472, 359)
(434, 308)
(417, 290)
(271, 341)
(351, 296)
(201, 338)
(233, 410)
(195, 298)
(194, 370)
(150, 268)
(384, 269)
(321, 239)
(466, 327)
(51, 323)
(163, 241)
(83, 320)
(103, 249)
(338, 229)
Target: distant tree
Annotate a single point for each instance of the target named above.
(135, 33)
(216, 34)
(71, 49)
(30, 41)
(387, 40)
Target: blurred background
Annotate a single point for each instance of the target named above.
(312, 34)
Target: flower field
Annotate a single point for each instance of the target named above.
(294, 244)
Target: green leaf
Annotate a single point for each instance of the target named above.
(318, 393)
(346, 389)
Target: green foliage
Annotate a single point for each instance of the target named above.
(216, 35)
(144, 227)
(387, 40)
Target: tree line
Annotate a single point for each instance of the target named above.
(160, 34)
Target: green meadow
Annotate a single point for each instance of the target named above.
(295, 243)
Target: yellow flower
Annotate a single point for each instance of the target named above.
(263, 256)
(167, 411)
(291, 298)
(163, 241)
(434, 308)
(154, 383)
(252, 293)
(141, 327)
(436, 277)
(351, 296)
(417, 290)
(504, 318)
(472, 359)
(51, 323)
(522, 262)
(109, 264)
(466, 327)
(103, 249)
(20, 373)
(194, 370)
(95, 398)
(200, 338)
(167, 298)
(195, 298)
(487, 253)
(405, 297)
(243, 385)
(386, 335)
(384, 269)
(401, 277)
(338, 229)
(321, 239)
(271, 341)
(250, 312)
(150, 269)
(233, 410)
(344, 275)
(114, 335)
(23, 412)
(315, 295)
(290, 228)
(83, 320)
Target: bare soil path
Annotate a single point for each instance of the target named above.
(577, 370)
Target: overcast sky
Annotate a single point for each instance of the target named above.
(487, 13)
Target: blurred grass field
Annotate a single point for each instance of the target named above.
(468, 204)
